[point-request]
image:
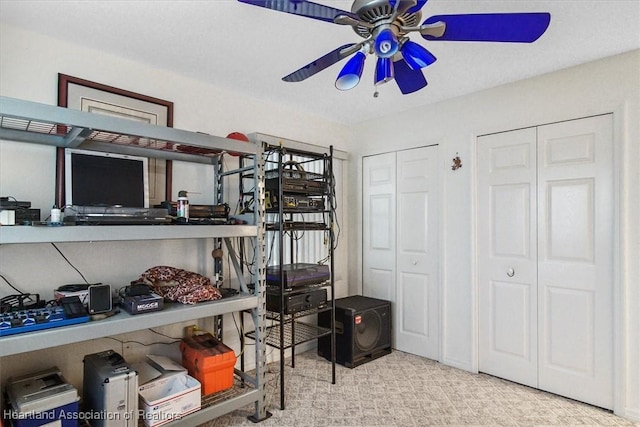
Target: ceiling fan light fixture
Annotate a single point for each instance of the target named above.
(350, 75)
(386, 43)
(416, 56)
(384, 71)
(385, 26)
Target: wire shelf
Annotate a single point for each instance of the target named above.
(303, 332)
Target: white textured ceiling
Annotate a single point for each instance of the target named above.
(249, 49)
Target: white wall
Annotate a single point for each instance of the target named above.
(609, 85)
(29, 67)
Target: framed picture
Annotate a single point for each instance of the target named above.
(85, 95)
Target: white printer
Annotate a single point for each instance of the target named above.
(42, 399)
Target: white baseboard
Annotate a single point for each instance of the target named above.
(631, 415)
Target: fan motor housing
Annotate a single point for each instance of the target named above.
(380, 11)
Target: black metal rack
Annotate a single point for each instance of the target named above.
(298, 200)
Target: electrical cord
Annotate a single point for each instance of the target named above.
(123, 342)
(11, 285)
(69, 262)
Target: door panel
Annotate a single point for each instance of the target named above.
(507, 256)
(510, 220)
(511, 314)
(378, 226)
(417, 305)
(575, 231)
(569, 216)
(413, 294)
(570, 333)
(379, 284)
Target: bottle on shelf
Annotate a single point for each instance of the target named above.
(182, 210)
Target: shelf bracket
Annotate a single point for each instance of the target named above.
(236, 266)
(76, 136)
(25, 136)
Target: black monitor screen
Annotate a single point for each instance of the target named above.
(100, 179)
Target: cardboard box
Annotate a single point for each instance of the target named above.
(209, 361)
(166, 391)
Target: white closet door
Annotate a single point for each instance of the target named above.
(379, 226)
(417, 314)
(507, 260)
(575, 253)
(545, 262)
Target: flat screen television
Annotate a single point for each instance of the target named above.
(94, 178)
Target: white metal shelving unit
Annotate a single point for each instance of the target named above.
(29, 122)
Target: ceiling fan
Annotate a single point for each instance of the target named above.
(385, 26)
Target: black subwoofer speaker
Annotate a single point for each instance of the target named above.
(363, 330)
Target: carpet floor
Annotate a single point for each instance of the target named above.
(401, 389)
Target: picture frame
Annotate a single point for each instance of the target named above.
(98, 98)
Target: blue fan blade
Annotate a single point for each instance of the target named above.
(492, 27)
(408, 80)
(301, 7)
(320, 64)
(417, 7)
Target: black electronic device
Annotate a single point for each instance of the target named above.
(20, 302)
(295, 180)
(6, 203)
(136, 289)
(220, 211)
(101, 179)
(298, 225)
(228, 292)
(73, 307)
(363, 330)
(296, 302)
(100, 299)
(116, 215)
(296, 203)
(292, 185)
(296, 275)
(138, 304)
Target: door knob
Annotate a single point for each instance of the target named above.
(511, 272)
(415, 263)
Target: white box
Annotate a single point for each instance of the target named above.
(166, 391)
(7, 217)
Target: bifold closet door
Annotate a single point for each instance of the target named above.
(575, 259)
(545, 263)
(507, 258)
(400, 244)
(379, 226)
(417, 316)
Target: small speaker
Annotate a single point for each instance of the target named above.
(363, 330)
(99, 299)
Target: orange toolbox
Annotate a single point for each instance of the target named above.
(209, 361)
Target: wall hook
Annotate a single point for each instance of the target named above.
(457, 163)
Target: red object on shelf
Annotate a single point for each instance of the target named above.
(237, 136)
(209, 361)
